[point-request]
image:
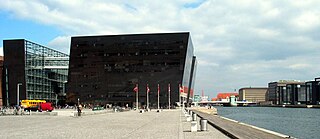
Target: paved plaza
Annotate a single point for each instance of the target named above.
(131, 124)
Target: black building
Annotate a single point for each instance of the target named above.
(105, 69)
(33, 71)
(277, 91)
(295, 94)
(313, 92)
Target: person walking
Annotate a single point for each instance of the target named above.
(79, 108)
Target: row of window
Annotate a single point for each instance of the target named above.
(132, 43)
(85, 55)
(32, 95)
(123, 65)
(138, 70)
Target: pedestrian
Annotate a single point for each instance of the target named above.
(79, 108)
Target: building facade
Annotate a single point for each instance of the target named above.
(33, 71)
(253, 94)
(295, 94)
(313, 92)
(225, 96)
(277, 91)
(105, 69)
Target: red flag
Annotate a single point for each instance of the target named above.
(169, 87)
(158, 89)
(181, 89)
(148, 90)
(136, 88)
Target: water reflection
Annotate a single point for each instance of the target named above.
(296, 122)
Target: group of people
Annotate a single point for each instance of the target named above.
(13, 110)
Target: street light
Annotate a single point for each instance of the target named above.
(18, 92)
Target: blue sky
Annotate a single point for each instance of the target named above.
(14, 28)
(238, 43)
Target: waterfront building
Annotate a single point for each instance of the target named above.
(295, 94)
(313, 92)
(1, 77)
(277, 90)
(225, 96)
(204, 98)
(253, 94)
(214, 99)
(33, 71)
(105, 69)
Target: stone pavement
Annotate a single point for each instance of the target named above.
(166, 124)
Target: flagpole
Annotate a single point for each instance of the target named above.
(179, 96)
(137, 98)
(158, 95)
(169, 96)
(147, 97)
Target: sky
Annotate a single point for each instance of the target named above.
(238, 43)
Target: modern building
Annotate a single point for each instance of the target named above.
(33, 71)
(313, 92)
(253, 94)
(1, 77)
(225, 96)
(295, 94)
(105, 69)
(277, 91)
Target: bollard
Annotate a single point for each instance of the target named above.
(188, 118)
(194, 117)
(194, 126)
(203, 125)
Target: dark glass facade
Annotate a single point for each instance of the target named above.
(105, 69)
(36, 71)
(295, 94)
(313, 92)
(1, 81)
(282, 92)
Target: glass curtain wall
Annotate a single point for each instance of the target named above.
(308, 92)
(46, 72)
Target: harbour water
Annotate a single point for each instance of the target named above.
(297, 122)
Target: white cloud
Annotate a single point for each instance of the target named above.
(307, 20)
(61, 43)
(300, 66)
(238, 43)
(207, 63)
(266, 33)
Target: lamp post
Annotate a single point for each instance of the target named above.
(18, 92)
